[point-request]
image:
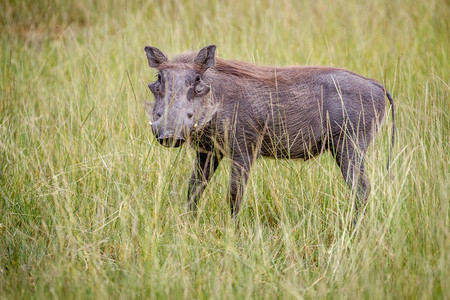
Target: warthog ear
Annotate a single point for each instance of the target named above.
(149, 109)
(205, 57)
(155, 56)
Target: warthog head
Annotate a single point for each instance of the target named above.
(183, 102)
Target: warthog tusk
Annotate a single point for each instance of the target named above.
(195, 125)
(150, 122)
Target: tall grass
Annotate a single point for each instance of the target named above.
(92, 207)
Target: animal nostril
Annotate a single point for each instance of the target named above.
(190, 115)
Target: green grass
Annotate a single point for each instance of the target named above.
(92, 207)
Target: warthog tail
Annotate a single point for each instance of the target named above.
(391, 100)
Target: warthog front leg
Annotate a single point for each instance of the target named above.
(204, 167)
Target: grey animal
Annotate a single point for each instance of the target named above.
(234, 109)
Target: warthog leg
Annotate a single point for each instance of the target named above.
(204, 167)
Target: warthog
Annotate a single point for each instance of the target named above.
(242, 111)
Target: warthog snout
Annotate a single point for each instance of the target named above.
(169, 139)
(171, 142)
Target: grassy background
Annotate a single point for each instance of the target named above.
(92, 207)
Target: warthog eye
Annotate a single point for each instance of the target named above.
(197, 79)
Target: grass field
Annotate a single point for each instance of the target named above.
(92, 207)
